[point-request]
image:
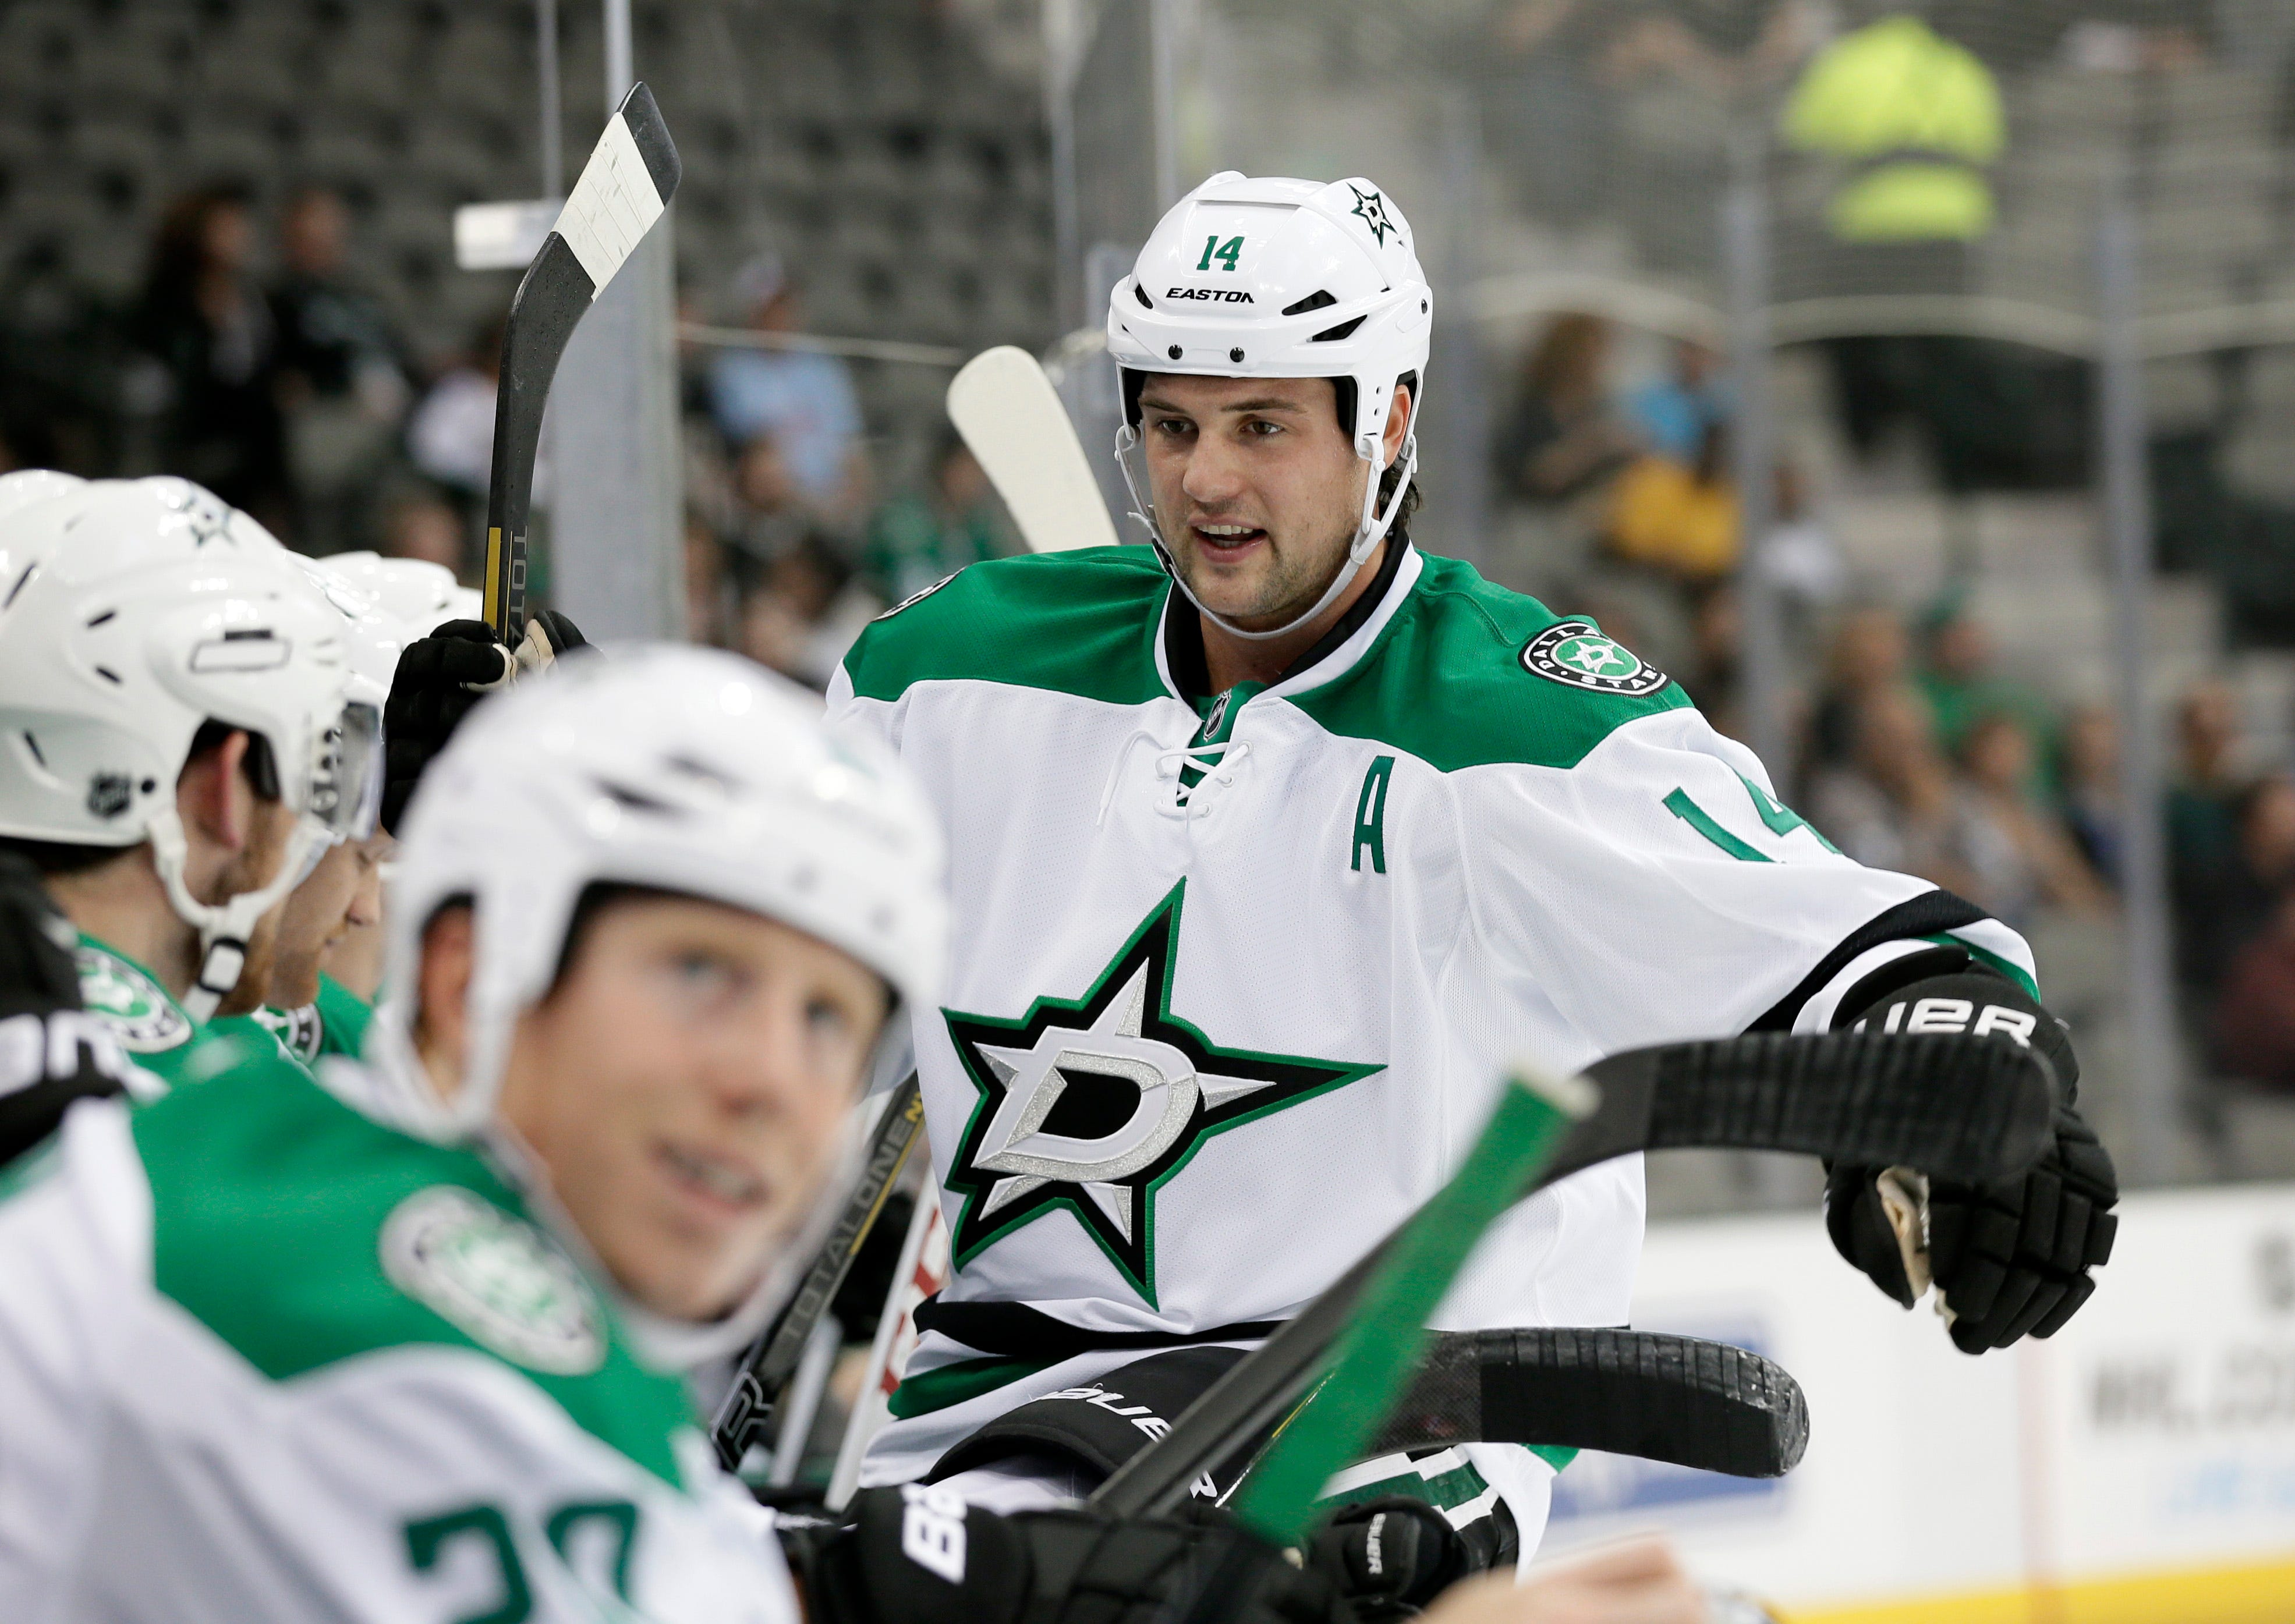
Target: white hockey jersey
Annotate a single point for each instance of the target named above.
(1235, 976)
(264, 1360)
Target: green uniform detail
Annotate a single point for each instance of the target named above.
(1086, 623)
(303, 1234)
(150, 1026)
(333, 1023)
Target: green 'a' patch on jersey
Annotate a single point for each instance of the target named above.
(303, 1233)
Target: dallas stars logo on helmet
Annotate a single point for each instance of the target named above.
(1094, 1103)
(1575, 653)
(1372, 207)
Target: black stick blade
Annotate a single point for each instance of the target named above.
(1674, 1399)
(1954, 1107)
(651, 135)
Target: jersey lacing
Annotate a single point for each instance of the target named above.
(1212, 763)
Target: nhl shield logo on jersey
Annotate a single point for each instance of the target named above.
(139, 1012)
(496, 1278)
(1092, 1103)
(1575, 652)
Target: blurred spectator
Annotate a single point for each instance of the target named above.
(2254, 1017)
(2202, 817)
(2088, 774)
(1869, 656)
(711, 599)
(423, 525)
(1716, 640)
(1893, 804)
(1800, 556)
(451, 436)
(1673, 411)
(342, 370)
(804, 401)
(2018, 855)
(204, 321)
(916, 540)
(1680, 520)
(1563, 436)
(2249, 887)
(769, 506)
(1962, 687)
(805, 612)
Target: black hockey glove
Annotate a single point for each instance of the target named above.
(1390, 1557)
(51, 1053)
(441, 678)
(918, 1555)
(2010, 1257)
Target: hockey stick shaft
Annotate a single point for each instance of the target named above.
(629, 179)
(1377, 1353)
(1974, 1108)
(773, 1357)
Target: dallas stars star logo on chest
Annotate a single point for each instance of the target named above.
(1094, 1103)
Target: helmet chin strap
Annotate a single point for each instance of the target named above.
(224, 927)
(1370, 530)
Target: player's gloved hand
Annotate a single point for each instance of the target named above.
(918, 1555)
(1389, 1557)
(441, 678)
(51, 1053)
(2008, 1258)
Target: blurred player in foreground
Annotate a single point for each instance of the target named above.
(403, 1344)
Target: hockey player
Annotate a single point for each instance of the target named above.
(400, 1347)
(1272, 844)
(180, 744)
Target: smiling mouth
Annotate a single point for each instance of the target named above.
(1226, 540)
(713, 1179)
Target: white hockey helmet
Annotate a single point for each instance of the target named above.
(1279, 278)
(683, 769)
(147, 607)
(414, 590)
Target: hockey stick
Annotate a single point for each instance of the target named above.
(1674, 1399)
(771, 1360)
(1960, 1107)
(631, 176)
(1006, 408)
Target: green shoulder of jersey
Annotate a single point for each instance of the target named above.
(304, 1235)
(1081, 623)
(1465, 673)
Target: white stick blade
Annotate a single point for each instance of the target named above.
(1010, 415)
(612, 204)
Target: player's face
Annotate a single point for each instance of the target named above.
(343, 891)
(1257, 490)
(685, 1085)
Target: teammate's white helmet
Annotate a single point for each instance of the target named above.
(414, 590)
(372, 636)
(149, 607)
(683, 769)
(1279, 278)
